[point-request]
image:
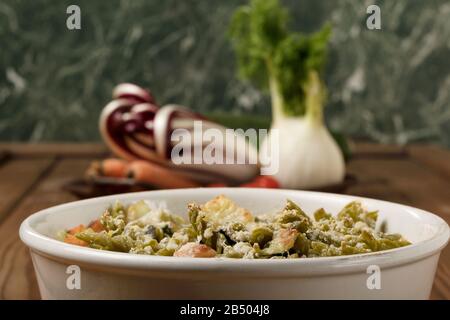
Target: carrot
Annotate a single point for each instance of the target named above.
(76, 229)
(96, 226)
(70, 238)
(115, 168)
(158, 176)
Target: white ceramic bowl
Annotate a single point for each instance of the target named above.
(406, 273)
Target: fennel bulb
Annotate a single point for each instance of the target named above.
(308, 156)
(288, 64)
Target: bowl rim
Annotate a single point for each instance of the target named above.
(58, 250)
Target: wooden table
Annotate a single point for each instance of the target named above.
(31, 177)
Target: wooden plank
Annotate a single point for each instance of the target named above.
(441, 288)
(17, 279)
(3, 157)
(434, 157)
(17, 177)
(55, 149)
(362, 149)
(384, 173)
(405, 181)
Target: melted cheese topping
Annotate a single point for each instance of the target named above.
(222, 210)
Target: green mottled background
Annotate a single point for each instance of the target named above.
(391, 85)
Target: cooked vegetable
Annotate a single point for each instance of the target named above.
(96, 225)
(76, 229)
(262, 182)
(282, 242)
(195, 250)
(134, 92)
(288, 64)
(68, 236)
(115, 168)
(112, 167)
(156, 175)
(220, 228)
(113, 219)
(74, 240)
(261, 235)
(135, 127)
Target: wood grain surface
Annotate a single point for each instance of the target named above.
(32, 176)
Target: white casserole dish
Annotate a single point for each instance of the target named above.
(406, 273)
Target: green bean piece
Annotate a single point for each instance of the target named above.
(317, 249)
(321, 214)
(165, 252)
(294, 217)
(210, 238)
(114, 219)
(237, 226)
(97, 239)
(369, 240)
(302, 244)
(193, 213)
(221, 243)
(348, 249)
(353, 211)
(261, 236)
(137, 210)
(292, 206)
(283, 240)
(154, 232)
(123, 243)
(371, 218)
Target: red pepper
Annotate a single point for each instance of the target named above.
(262, 182)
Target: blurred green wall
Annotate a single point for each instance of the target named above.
(391, 85)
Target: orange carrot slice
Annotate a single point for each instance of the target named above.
(115, 168)
(76, 229)
(158, 176)
(96, 226)
(74, 240)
